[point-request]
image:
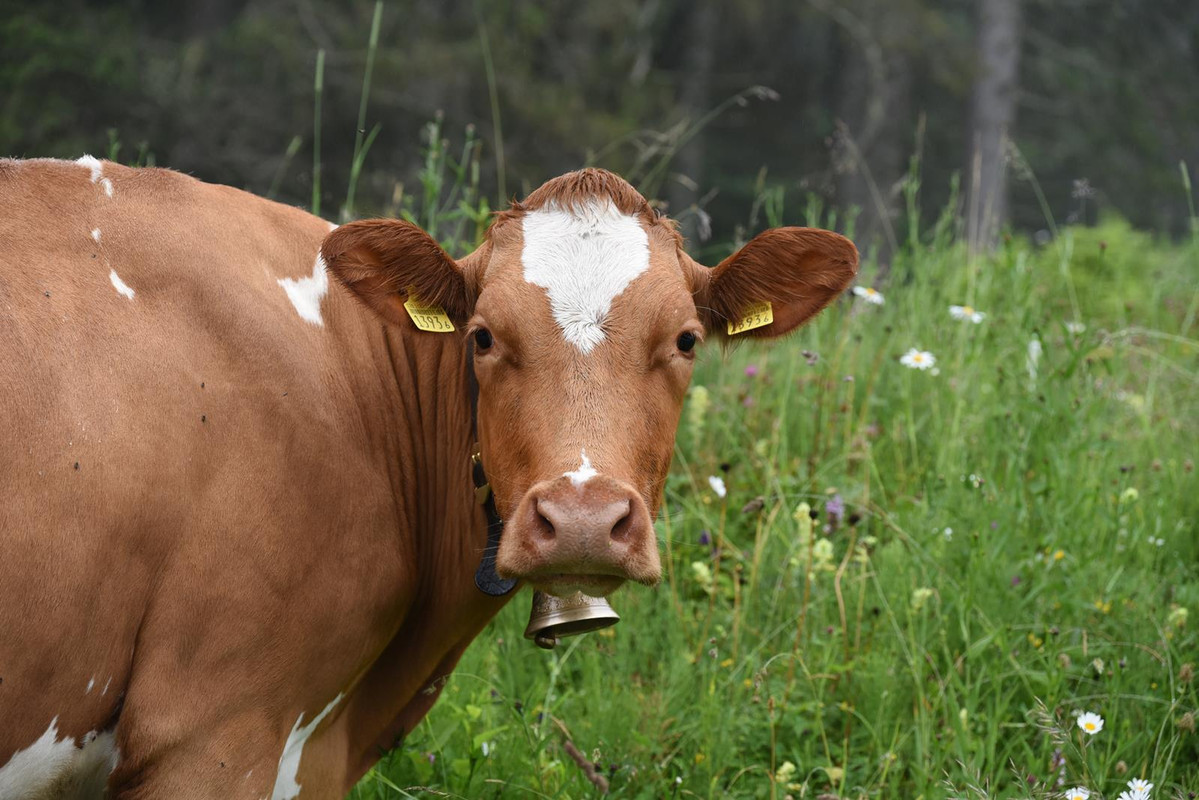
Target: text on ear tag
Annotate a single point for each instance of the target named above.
(758, 315)
(427, 317)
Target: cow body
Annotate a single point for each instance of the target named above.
(238, 528)
(211, 527)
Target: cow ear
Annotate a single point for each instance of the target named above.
(798, 271)
(384, 261)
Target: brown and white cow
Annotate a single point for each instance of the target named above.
(237, 520)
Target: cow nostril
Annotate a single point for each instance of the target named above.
(545, 527)
(620, 531)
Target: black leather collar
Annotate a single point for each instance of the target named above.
(486, 578)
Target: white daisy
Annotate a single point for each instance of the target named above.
(869, 294)
(1138, 785)
(1090, 722)
(966, 313)
(1135, 794)
(1076, 327)
(918, 359)
(1077, 793)
(717, 484)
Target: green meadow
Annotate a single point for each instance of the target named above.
(914, 572)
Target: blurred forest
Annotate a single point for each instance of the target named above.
(1100, 97)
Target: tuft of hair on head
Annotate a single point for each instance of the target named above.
(576, 190)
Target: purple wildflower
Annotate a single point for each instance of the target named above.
(834, 507)
(751, 370)
(705, 537)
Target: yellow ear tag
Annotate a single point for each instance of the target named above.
(758, 315)
(426, 317)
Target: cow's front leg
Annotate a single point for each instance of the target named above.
(236, 758)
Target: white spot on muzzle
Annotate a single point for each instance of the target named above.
(120, 285)
(57, 768)
(286, 785)
(584, 473)
(583, 258)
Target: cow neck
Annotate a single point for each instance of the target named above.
(427, 448)
(435, 382)
(424, 406)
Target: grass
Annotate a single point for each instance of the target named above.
(1017, 544)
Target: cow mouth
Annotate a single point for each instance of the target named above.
(563, 584)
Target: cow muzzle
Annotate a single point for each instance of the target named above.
(588, 537)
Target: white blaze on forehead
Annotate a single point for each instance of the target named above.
(584, 473)
(307, 293)
(120, 285)
(50, 764)
(286, 785)
(583, 258)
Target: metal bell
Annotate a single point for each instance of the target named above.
(554, 617)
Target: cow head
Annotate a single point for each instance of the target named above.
(585, 314)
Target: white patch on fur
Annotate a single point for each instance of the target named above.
(92, 163)
(90, 685)
(307, 293)
(107, 683)
(584, 473)
(96, 234)
(583, 258)
(97, 170)
(286, 786)
(121, 286)
(57, 768)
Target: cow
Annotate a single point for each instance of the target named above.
(238, 526)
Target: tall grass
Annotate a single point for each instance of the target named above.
(917, 579)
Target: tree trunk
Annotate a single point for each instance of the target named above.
(993, 111)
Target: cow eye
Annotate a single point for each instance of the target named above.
(686, 341)
(482, 339)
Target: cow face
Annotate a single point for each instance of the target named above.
(585, 316)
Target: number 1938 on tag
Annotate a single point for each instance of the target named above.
(758, 315)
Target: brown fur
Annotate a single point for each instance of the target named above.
(573, 190)
(265, 513)
(227, 515)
